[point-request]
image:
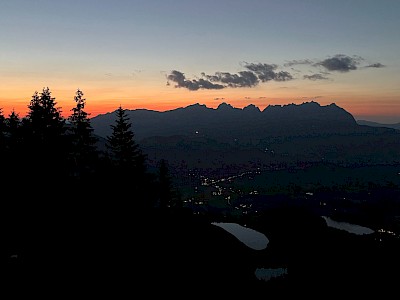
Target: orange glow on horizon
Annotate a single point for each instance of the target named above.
(108, 99)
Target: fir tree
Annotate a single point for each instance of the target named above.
(45, 119)
(125, 152)
(46, 145)
(83, 150)
(14, 149)
(13, 125)
(128, 172)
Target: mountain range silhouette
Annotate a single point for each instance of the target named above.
(227, 123)
(207, 138)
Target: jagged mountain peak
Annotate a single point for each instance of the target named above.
(228, 109)
(251, 108)
(224, 105)
(196, 105)
(293, 105)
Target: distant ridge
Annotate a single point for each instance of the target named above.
(227, 123)
(375, 124)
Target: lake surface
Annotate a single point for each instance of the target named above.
(258, 241)
(352, 228)
(250, 237)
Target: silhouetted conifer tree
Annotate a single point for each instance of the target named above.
(83, 152)
(45, 118)
(13, 125)
(128, 162)
(13, 167)
(46, 144)
(8, 145)
(13, 144)
(125, 152)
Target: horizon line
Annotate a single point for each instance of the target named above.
(227, 104)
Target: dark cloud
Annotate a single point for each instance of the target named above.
(242, 79)
(266, 72)
(340, 63)
(251, 77)
(255, 73)
(192, 85)
(375, 65)
(315, 77)
(283, 76)
(298, 62)
(205, 84)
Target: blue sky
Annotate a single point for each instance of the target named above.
(123, 52)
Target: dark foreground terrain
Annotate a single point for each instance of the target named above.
(174, 252)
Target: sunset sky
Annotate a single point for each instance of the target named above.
(165, 54)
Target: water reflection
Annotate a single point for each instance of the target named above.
(352, 228)
(250, 237)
